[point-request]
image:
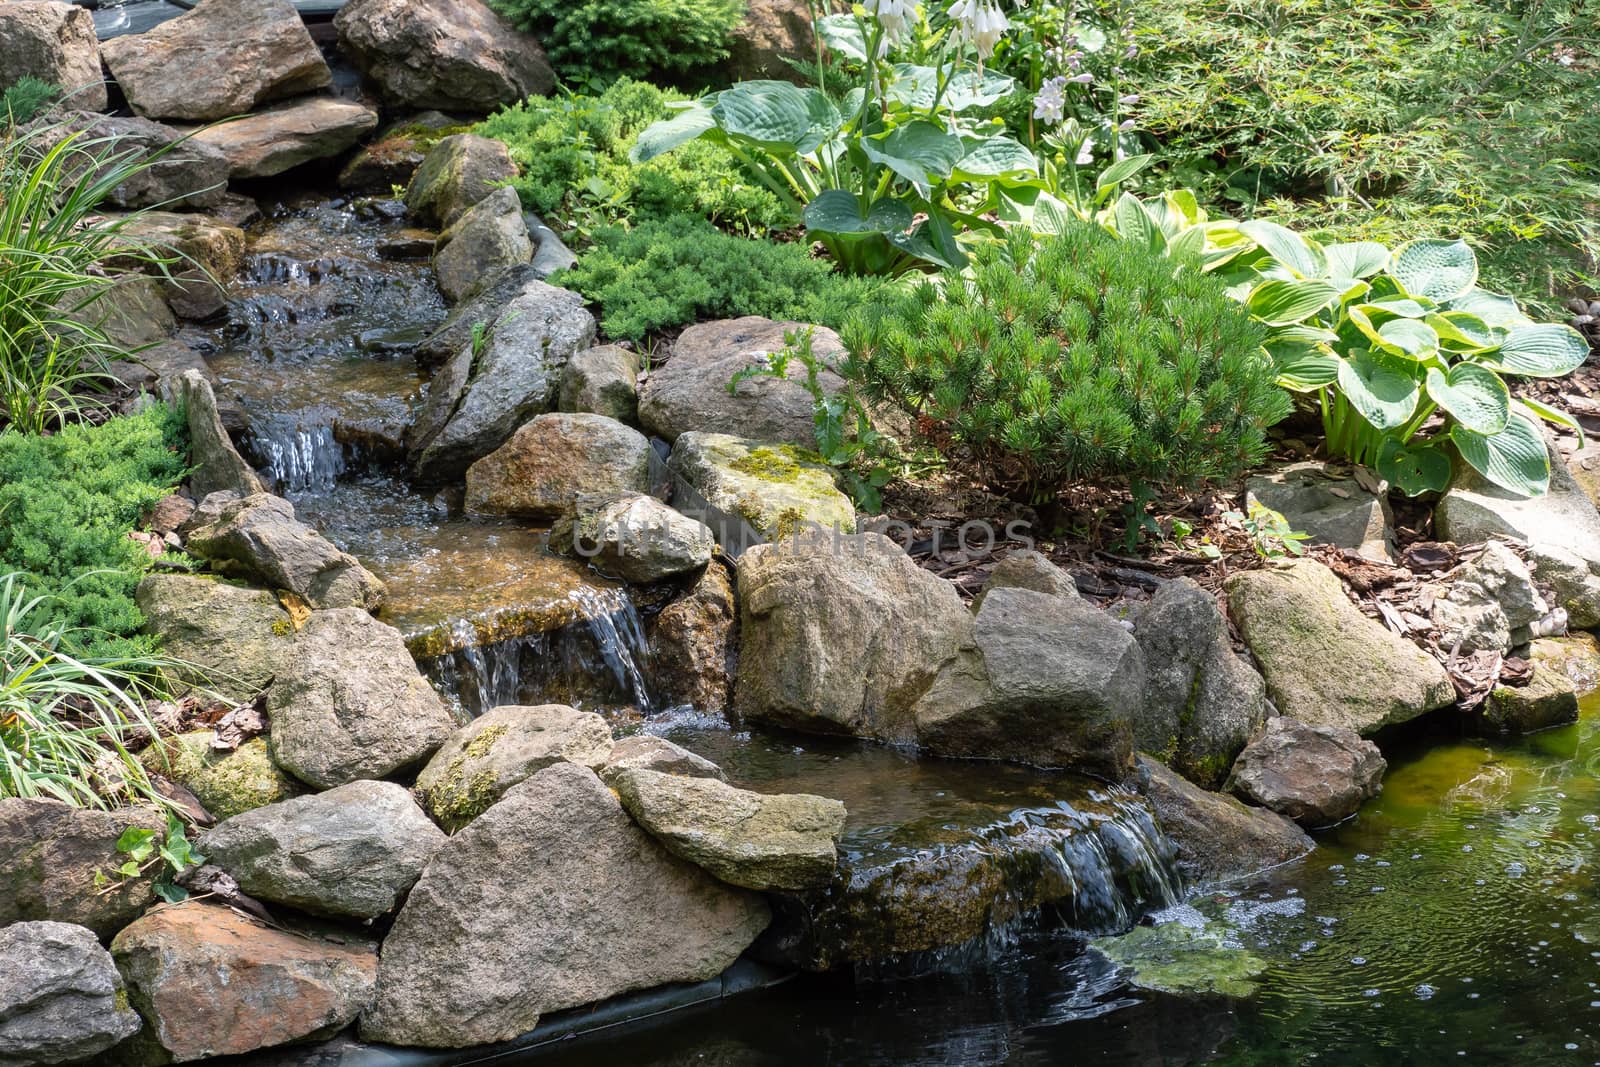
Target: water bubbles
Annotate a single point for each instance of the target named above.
(1424, 991)
(1358, 961)
(1372, 992)
(1515, 869)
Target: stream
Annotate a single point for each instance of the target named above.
(1455, 919)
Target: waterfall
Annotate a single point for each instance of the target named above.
(297, 450)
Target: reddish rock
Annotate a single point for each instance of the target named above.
(1315, 775)
(692, 644)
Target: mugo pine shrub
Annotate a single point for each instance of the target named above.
(1082, 358)
(596, 41)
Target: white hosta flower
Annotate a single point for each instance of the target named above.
(981, 23)
(897, 17)
(1051, 101)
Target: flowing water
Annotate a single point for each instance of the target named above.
(1455, 919)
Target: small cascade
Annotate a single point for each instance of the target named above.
(298, 451)
(598, 661)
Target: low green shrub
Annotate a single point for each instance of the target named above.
(26, 97)
(1076, 358)
(681, 270)
(67, 503)
(572, 154)
(596, 41)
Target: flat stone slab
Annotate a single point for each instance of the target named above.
(1334, 511)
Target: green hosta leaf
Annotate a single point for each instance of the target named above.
(837, 211)
(1122, 170)
(1493, 308)
(1190, 243)
(1302, 367)
(1282, 303)
(1350, 289)
(1462, 331)
(916, 86)
(1399, 307)
(1414, 468)
(1053, 216)
(1514, 459)
(1473, 395)
(1380, 387)
(664, 136)
(842, 34)
(920, 152)
(1297, 253)
(1135, 225)
(1358, 259)
(1438, 270)
(776, 115)
(1554, 415)
(1408, 337)
(1546, 351)
(996, 157)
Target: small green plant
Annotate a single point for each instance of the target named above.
(597, 41)
(27, 97)
(169, 853)
(1269, 533)
(679, 271)
(1076, 358)
(845, 437)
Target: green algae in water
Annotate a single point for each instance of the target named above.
(1177, 958)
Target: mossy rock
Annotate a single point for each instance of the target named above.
(1184, 960)
(778, 489)
(1549, 699)
(227, 783)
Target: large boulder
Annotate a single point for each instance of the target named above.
(458, 172)
(460, 56)
(215, 463)
(178, 171)
(603, 379)
(755, 840)
(690, 391)
(221, 59)
(1202, 702)
(771, 33)
(203, 251)
(283, 136)
(228, 637)
(774, 491)
(1326, 663)
(350, 853)
(1333, 510)
(211, 982)
(50, 855)
(351, 703)
(550, 899)
(502, 747)
(552, 460)
(258, 538)
(1047, 680)
(637, 538)
(692, 642)
(1490, 604)
(1315, 775)
(54, 42)
(1218, 838)
(487, 238)
(478, 399)
(133, 311)
(843, 642)
(61, 998)
(226, 781)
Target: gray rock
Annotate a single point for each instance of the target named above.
(1046, 680)
(1334, 511)
(228, 638)
(211, 982)
(457, 173)
(178, 172)
(49, 854)
(1027, 569)
(692, 644)
(555, 458)
(1202, 702)
(55, 43)
(460, 56)
(638, 538)
(843, 643)
(502, 747)
(1326, 663)
(1315, 775)
(481, 312)
(550, 253)
(690, 391)
(1564, 518)
(1490, 604)
(286, 135)
(226, 782)
(753, 840)
(778, 491)
(133, 312)
(604, 380)
(221, 59)
(479, 398)
(257, 538)
(1575, 655)
(644, 752)
(486, 239)
(1218, 838)
(596, 908)
(216, 463)
(61, 998)
(350, 853)
(1550, 698)
(1573, 585)
(351, 703)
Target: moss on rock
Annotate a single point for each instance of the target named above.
(227, 783)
